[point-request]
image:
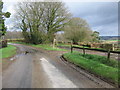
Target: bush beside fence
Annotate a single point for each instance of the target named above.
(3, 44)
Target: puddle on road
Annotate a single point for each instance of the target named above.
(16, 56)
(58, 79)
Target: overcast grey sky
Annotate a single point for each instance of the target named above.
(101, 16)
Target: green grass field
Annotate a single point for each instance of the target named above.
(96, 65)
(43, 46)
(7, 51)
(48, 47)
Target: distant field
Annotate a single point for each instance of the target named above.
(111, 41)
(109, 37)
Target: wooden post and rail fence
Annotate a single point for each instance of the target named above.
(100, 50)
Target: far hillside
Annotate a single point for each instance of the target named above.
(109, 37)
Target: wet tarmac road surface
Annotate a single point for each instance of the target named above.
(35, 69)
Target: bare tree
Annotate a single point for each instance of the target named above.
(40, 20)
(29, 20)
(56, 16)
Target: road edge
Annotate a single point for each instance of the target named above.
(87, 74)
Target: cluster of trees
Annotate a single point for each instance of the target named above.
(2, 16)
(40, 21)
(77, 30)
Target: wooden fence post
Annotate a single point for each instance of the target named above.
(113, 47)
(83, 51)
(71, 47)
(54, 40)
(108, 55)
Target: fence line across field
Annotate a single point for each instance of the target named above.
(107, 51)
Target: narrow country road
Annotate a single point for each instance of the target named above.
(35, 69)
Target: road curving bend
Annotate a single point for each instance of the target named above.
(35, 68)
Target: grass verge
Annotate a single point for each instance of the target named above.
(48, 47)
(43, 46)
(7, 51)
(93, 65)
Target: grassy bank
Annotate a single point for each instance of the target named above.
(43, 46)
(7, 51)
(48, 47)
(95, 64)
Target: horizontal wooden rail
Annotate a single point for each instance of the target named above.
(101, 50)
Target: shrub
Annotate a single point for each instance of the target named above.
(3, 44)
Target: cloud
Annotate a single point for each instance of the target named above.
(111, 29)
(100, 15)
